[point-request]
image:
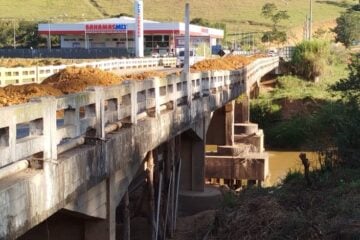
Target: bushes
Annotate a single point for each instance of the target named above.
(291, 134)
(265, 113)
(310, 58)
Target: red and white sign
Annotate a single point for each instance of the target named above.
(105, 28)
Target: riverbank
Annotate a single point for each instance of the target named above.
(295, 113)
(328, 209)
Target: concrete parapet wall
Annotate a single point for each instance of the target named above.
(72, 179)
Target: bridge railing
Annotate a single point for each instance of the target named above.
(36, 74)
(46, 126)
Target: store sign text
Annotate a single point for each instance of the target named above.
(105, 28)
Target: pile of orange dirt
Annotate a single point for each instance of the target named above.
(69, 80)
(72, 79)
(12, 95)
(144, 75)
(225, 63)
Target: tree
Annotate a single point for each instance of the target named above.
(347, 127)
(348, 26)
(200, 22)
(7, 33)
(27, 35)
(270, 11)
(350, 87)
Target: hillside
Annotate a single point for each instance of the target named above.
(240, 15)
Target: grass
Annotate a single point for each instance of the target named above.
(293, 87)
(299, 113)
(240, 16)
(45, 10)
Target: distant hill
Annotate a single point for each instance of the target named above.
(239, 15)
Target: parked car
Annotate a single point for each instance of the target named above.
(155, 54)
(272, 53)
(192, 58)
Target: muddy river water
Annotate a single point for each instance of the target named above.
(281, 162)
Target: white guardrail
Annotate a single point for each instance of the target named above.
(36, 74)
(49, 123)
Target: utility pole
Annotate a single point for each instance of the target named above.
(187, 53)
(14, 34)
(310, 20)
(49, 36)
(306, 26)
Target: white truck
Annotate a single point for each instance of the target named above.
(192, 58)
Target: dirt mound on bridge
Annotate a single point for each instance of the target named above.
(69, 80)
(225, 63)
(144, 75)
(73, 79)
(11, 95)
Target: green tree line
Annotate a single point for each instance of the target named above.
(22, 34)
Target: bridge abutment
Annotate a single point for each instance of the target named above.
(240, 153)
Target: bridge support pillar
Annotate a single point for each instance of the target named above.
(242, 109)
(229, 123)
(221, 128)
(194, 196)
(192, 162)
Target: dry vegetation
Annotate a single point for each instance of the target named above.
(328, 209)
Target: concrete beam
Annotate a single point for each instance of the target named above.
(251, 167)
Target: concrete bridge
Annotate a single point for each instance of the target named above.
(84, 153)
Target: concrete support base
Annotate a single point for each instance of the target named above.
(192, 202)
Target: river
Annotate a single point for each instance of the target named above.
(281, 162)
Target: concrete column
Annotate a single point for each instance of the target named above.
(192, 167)
(229, 123)
(72, 117)
(100, 112)
(198, 165)
(242, 110)
(157, 96)
(126, 218)
(49, 127)
(104, 229)
(134, 105)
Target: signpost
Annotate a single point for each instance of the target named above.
(139, 28)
